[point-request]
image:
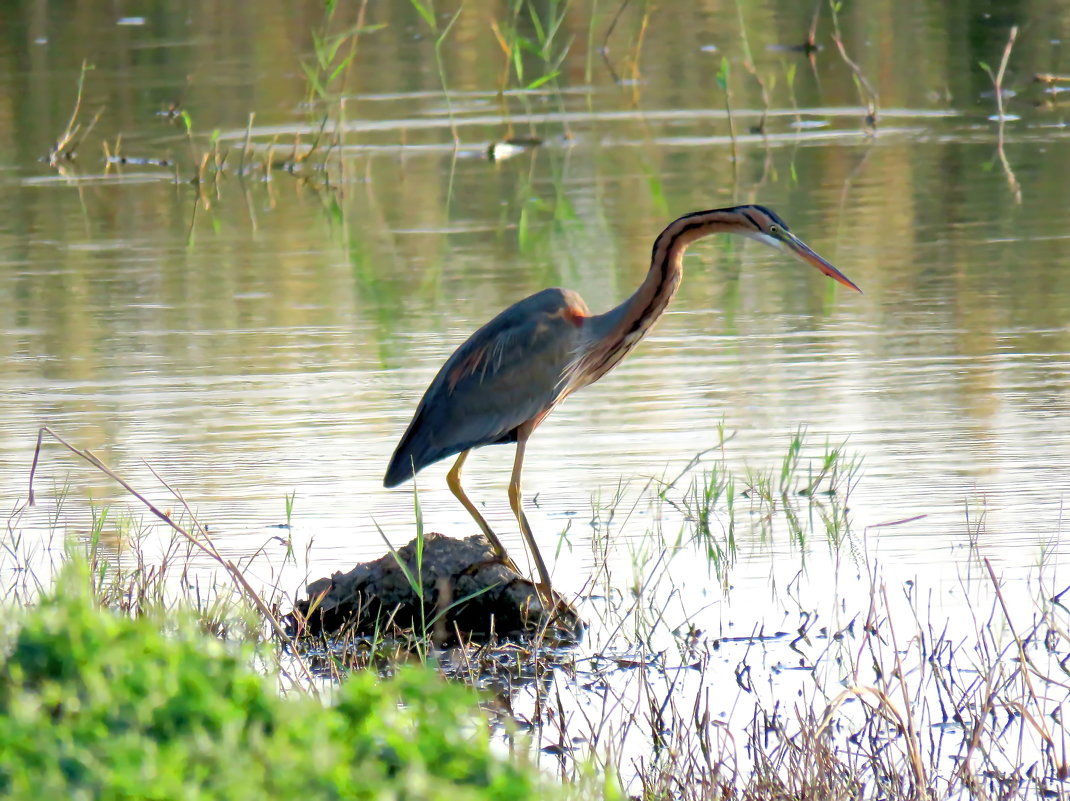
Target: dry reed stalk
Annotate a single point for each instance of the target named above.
(203, 542)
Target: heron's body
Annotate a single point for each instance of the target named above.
(510, 374)
(498, 393)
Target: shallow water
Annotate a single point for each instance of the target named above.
(267, 337)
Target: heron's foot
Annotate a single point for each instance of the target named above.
(501, 555)
(560, 614)
(546, 593)
(507, 560)
(544, 589)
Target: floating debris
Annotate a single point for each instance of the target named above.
(138, 161)
(1049, 79)
(513, 146)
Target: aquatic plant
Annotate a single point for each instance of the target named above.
(97, 704)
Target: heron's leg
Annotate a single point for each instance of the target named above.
(515, 502)
(453, 480)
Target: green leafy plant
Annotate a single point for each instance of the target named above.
(97, 705)
(544, 45)
(427, 13)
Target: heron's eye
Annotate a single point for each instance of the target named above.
(774, 230)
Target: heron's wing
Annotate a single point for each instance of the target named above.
(507, 373)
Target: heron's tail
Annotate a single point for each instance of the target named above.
(415, 452)
(399, 470)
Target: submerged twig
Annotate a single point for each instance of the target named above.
(604, 49)
(997, 78)
(997, 85)
(866, 92)
(65, 147)
(748, 65)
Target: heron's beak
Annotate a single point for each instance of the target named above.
(804, 252)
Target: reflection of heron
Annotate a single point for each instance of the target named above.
(500, 384)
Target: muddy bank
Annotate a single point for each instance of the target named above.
(452, 586)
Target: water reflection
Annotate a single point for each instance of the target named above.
(255, 338)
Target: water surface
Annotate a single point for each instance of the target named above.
(257, 338)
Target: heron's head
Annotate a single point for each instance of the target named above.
(763, 224)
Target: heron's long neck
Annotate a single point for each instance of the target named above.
(613, 334)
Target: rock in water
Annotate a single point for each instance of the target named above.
(464, 586)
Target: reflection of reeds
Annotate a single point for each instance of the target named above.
(748, 65)
(867, 94)
(997, 85)
(894, 703)
(202, 164)
(544, 45)
(637, 48)
(722, 82)
(546, 22)
(426, 10)
(66, 146)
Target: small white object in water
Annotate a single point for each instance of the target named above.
(130, 21)
(499, 151)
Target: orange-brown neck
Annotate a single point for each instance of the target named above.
(611, 336)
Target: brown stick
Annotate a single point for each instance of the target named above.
(997, 82)
(1023, 665)
(206, 546)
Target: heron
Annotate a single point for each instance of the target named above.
(510, 374)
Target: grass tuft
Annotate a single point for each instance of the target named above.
(97, 704)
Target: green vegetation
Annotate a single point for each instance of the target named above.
(541, 45)
(97, 705)
(66, 145)
(127, 683)
(427, 13)
(357, 203)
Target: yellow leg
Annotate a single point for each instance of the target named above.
(515, 502)
(453, 480)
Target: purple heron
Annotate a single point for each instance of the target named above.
(511, 373)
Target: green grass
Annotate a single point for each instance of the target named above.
(111, 687)
(94, 704)
(804, 496)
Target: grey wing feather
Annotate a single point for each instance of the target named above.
(505, 374)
